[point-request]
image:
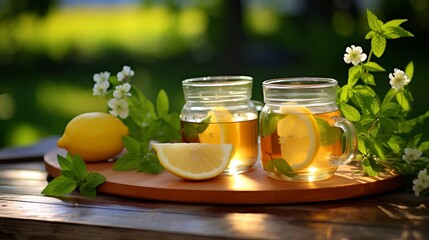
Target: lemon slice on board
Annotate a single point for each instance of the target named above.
(299, 136)
(194, 161)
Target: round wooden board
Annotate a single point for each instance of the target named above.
(252, 187)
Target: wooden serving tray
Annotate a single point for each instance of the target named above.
(252, 187)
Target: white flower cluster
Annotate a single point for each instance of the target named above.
(421, 182)
(118, 104)
(354, 54)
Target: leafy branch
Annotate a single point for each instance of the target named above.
(384, 130)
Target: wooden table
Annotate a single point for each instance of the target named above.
(26, 214)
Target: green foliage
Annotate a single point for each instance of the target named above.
(74, 176)
(384, 130)
(138, 157)
(191, 130)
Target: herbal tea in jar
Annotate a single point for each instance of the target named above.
(302, 131)
(218, 109)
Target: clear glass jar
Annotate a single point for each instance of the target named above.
(219, 109)
(303, 136)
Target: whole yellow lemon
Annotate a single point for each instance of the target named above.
(95, 136)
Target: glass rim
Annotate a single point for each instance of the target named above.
(227, 80)
(300, 82)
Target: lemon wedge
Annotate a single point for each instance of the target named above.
(299, 136)
(194, 161)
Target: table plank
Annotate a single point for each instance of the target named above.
(26, 214)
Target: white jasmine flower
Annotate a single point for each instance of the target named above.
(100, 88)
(122, 90)
(411, 154)
(119, 107)
(125, 73)
(421, 182)
(101, 77)
(354, 55)
(398, 79)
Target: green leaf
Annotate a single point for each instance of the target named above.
(378, 45)
(269, 122)
(87, 190)
(191, 129)
(61, 185)
(162, 104)
(344, 94)
(409, 125)
(354, 75)
(396, 144)
(94, 179)
(370, 168)
(367, 103)
(131, 144)
(395, 22)
(268, 165)
(78, 167)
(373, 22)
(368, 78)
(349, 112)
(128, 161)
(328, 135)
(409, 70)
(404, 99)
(373, 67)
(362, 144)
(394, 32)
(388, 124)
(150, 164)
(66, 163)
(283, 167)
(424, 146)
(389, 96)
(377, 145)
(369, 35)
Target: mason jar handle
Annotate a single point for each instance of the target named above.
(350, 141)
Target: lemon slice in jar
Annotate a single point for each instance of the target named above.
(299, 136)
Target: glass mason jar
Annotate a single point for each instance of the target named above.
(303, 136)
(219, 109)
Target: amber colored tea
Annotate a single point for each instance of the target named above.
(242, 134)
(300, 146)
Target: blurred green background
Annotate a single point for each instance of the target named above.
(49, 50)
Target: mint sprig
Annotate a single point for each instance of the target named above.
(74, 176)
(138, 157)
(382, 122)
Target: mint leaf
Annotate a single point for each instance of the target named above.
(78, 167)
(354, 75)
(373, 22)
(74, 177)
(150, 164)
(127, 162)
(378, 45)
(351, 113)
(61, 185)
(162, 104)
(191, 129)
(269, 122)
(283, 167)
(370, 167)
(130, 144)
(66, 163)
(388, 124)
(409, 70)
(396, 144)
(404, 99)
(269, 165)
(393, 32)
(89, 186)
(368, 78)
(373, 67)
(394, 23)
(367, 103)
(329, 135)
